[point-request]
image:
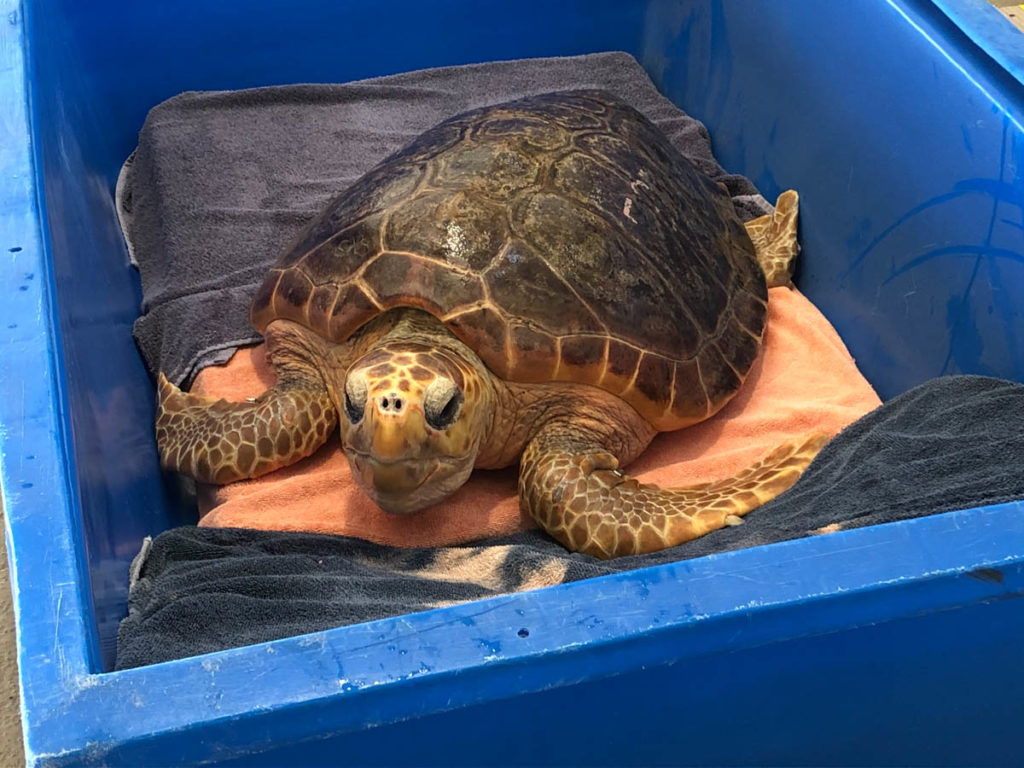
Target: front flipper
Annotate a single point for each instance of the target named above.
(218, 441)
(576, 492)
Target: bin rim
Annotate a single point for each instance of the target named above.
(389, 670)
(988, 29)
(50, 592)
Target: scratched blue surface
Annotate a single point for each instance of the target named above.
(904, 136)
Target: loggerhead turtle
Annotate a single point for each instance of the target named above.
(545, 281)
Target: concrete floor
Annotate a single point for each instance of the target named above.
(11, 750)
(1012, 10)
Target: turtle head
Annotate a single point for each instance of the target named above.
(412, 419)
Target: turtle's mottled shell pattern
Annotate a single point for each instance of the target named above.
(561, 237)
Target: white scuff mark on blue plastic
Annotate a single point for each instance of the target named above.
(906, 302)
(58, 648)
(85, 682)
(318, 640)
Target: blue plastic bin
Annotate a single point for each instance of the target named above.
(900, 123)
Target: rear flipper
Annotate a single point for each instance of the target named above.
(218, 441)
(774, 238)
(577, 494)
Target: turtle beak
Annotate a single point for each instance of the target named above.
(387, 464)
(391, 421)
(404, 487)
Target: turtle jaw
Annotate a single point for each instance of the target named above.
(402, 464)
(408, 485)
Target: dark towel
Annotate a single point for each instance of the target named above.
(952, 443)
(222, 182)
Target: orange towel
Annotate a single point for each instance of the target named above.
(803, 381)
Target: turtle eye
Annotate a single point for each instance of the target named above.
(353, 412)
(355, 400)
(446, 415)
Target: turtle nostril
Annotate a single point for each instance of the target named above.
(391, 404)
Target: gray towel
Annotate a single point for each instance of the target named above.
(222, 182)
(952, 443)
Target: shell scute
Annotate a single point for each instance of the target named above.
(342, 254)
(353, 307)
(654, 376)
(524, 285)
(456, 229)
(535, 351)
(525, 132)
(425, 283)
(496, 171)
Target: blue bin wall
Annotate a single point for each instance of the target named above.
(782, 688)
(904, 140)
(907, 154)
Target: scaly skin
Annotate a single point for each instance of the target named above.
(217, 441)
(583, 500)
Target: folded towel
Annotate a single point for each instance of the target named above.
(222, 182)
(951, 443)
(804, 381)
